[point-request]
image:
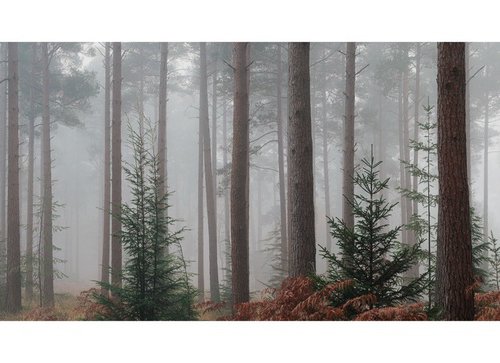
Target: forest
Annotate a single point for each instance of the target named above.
(249, 181)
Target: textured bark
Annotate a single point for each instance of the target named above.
(162, 118)
(281, 165)
(302, 260)
(116, 167)
(209, 186)
(107, 169)
(31, 161)
(326, 176)
(467, 116)
(454, 275)
(48, 260)
(13, 222)
(348, 154)
(240, 176)
(3, 166)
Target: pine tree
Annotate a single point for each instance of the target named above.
(155, 282)
(370, 253)
(494, 262)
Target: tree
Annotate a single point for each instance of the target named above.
(107, 167)
(302, 254)
(370, 253)
(116, 168)
(239, 177)
(348, 160)
(3, 176)
(162, 119)
(454, 276)
(155, 282)
(47, 293)
(209, 180)
(13, 221)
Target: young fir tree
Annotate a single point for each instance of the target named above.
(155, 282)
(494, 262)
(424, 224)
(370, 253)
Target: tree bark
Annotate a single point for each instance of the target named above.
(406, 155)
(348, 155)
(48, 260)
(13, 222)
(467, 116)
(116, 168)
(31, 161)
(302, 260)
(214, 130)
(107, 169)
(201, 267)
(484, 265)
(416, 121)
(240, 177)
(454, 275)
(402, 174)
(209, 186)
(281, 165)
(3, 170)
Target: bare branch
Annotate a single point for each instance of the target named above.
(361, 70)
(230, 66)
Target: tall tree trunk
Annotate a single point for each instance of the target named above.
(454, 275)
(348, 163)
(227, 221)
(140, 101)
(107, 169)
(31, 161)
(406, 140)
(484, 265)
(281, 165)
(214, 129)
(467, 117)
(416, 121)
(116, 167)
(326, 175)
(48, 261)
(209, 181)
(201, 267)
(3, 171)
(402, 174)
(300, 168)
(162, 118)
(13, 222)
(240, 177)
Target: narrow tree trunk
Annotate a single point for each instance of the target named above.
(13, 222)
(348, 163)
(227, 221)
(201, 267)
(48, 261)
(240, 177)
(406, 140)
(162, 118)
(209, 186)
(3, 171)
(214, 132)
(326, 175)
(107, 169)
(402, 174)
(281, 165)
(416, 121)
(116, 167)
(140, 101)
(454, 275)
(485, 176)
(31, 161)
(467, 117)
(300, 168)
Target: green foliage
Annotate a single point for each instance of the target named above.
(273, 250)
(494, 262)
(155, 282)
(370, 253)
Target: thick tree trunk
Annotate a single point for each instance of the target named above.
(13, 222)
(214, 131)
(31, 161)
(281, 165)
(454, 275)
(209, 186)
(48, 260)
(107, 169)
(116, 167)
(162, 118)
(240, 176)
(302, 260)
(326, 176)
(348, 155)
